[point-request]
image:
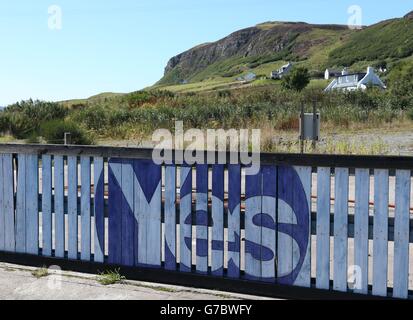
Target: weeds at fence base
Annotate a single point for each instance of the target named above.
(40, 273)
(110, 277)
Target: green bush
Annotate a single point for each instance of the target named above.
(94, 117)
(23, 119)
(38, 110)
(53, 132)
(139, 98)
(296, 80)
(400, 80)
(18, 125)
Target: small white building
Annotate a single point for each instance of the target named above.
(248, 77)
(330, 73)
(284, 70)
(356, 81)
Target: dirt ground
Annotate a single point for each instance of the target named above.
(386, 140)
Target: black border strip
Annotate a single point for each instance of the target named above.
(313, 160)
(191, 279)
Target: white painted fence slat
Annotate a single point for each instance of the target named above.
(72, 218)
(286, 217)
(8, 204)
(341, 228)
(217, 245)
(253, 231)
(202, 218)
(185, 220)
(269, 224)
(304, 276)
(47, 205)
(323, 228)
(401, 235)
(21, 204)
(32, 204)
(59, 206)
(361, 231)
(85, 176)
(99, 209)
(2, 215)
(380, 232)
(170, 218)
(234, 228)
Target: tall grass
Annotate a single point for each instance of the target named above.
(137, 115)
(247, 108)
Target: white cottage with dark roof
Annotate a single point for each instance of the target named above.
(356, 81)
(284, 70)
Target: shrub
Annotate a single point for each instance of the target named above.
(39, 110)
(23, 119)
(297, 79)
(53, 131)
(18, 125)
(139, 98)
(94, 117)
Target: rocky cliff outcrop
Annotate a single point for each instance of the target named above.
(256, 41)
(409, 15)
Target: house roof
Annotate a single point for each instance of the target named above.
(356, 80)
(354, 74)
(286, 65)
(353, 83)
(347, 85)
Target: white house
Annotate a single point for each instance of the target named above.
(356, 81)
(284, 70)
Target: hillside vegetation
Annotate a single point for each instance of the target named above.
(134, 117)
(390, 40)
(214, 98)
(265, 47)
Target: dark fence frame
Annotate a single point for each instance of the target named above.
(293, 159)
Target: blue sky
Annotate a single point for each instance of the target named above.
(124, 45)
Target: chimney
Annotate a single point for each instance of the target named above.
(344, 72)
(370, 70)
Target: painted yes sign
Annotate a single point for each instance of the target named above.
(277, 220)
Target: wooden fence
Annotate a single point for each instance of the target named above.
(336, 223)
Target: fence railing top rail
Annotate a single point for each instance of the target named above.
(312, 160)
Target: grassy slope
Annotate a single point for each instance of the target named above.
(223, 74)
(389, 40)
(102, 97)
(226, 71)
(324, 47)
(392, 39)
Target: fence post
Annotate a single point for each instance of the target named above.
(68, 138)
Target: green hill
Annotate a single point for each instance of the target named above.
(265, 47)
(392, 39)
